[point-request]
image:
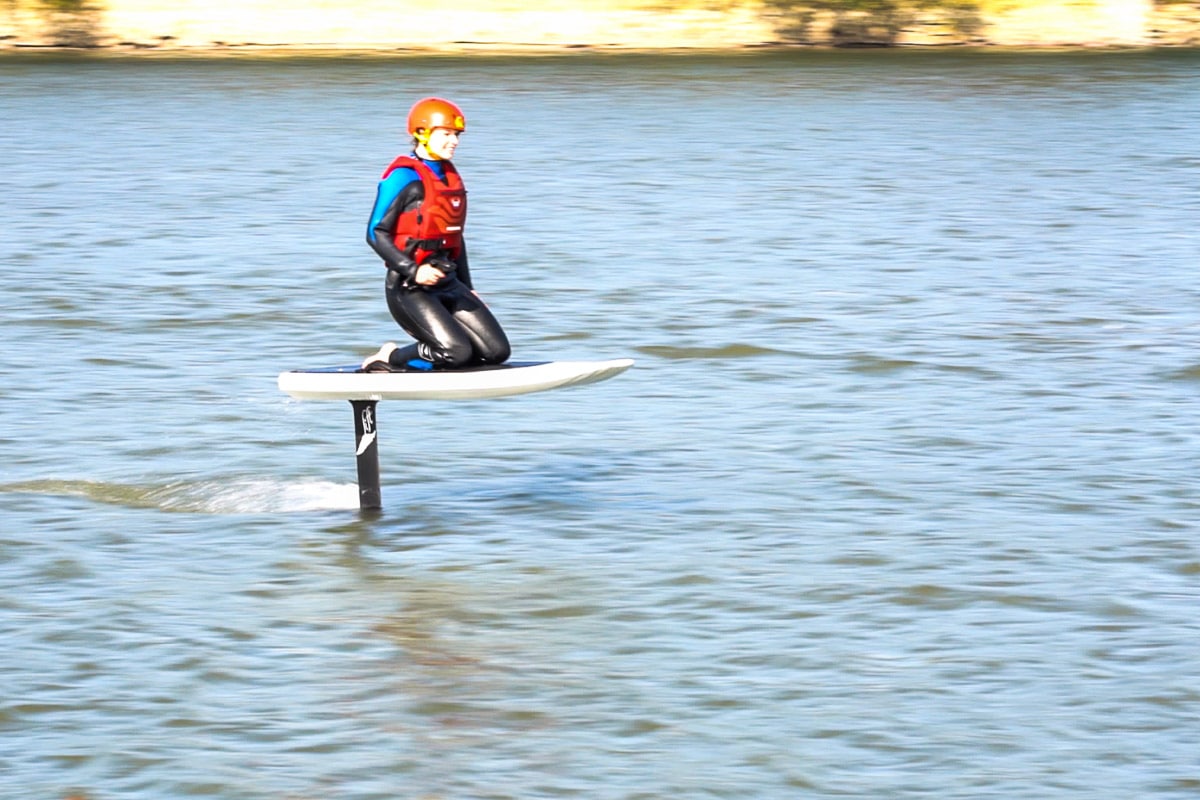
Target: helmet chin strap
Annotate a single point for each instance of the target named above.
(422, 148)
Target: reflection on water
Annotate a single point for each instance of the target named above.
(897, 503)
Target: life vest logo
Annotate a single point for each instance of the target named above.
(456, 201)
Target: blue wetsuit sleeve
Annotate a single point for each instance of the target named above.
(385, 195)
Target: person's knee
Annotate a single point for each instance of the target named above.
(453, 355)
(493, 348)
(497, 353)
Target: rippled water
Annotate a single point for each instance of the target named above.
(899, 500)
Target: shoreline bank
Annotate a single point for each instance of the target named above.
(399, 27)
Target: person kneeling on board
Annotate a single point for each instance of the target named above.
(416, 227)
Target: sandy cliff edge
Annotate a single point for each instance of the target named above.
(549, 26)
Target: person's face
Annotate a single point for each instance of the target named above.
(442, 143)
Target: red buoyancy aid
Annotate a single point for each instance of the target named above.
(436, 225)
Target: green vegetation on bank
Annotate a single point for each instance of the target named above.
(68, 23)
(864, 23)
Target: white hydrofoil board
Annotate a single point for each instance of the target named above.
(348, 383)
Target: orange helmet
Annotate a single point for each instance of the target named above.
(434, 112)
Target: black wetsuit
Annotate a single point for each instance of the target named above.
(452, 326)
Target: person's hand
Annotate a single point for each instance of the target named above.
(428, 275)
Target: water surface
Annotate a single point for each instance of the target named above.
(899, 500)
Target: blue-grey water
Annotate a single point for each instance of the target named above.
(899, 501)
